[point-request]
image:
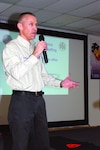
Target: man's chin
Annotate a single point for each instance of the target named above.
(33, 36)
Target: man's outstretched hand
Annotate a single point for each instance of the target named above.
(67, 83)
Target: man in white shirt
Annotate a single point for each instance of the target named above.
(26, 75)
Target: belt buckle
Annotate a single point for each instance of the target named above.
(36, 93)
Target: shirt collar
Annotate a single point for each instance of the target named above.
(23, 41)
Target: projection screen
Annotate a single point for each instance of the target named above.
(67, 54)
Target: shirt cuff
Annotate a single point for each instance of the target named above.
(33, 59)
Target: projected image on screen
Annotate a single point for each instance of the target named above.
(58, 61)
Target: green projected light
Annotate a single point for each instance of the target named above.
(58, 61)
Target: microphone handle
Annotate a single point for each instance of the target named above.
(45, 56)
(41, 38)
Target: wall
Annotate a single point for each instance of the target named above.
(94, 89)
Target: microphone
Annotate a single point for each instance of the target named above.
(41, 38)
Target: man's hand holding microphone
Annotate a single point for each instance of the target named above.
(41, 47)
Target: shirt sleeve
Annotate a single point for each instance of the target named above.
(49, 80)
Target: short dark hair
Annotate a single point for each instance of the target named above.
(23, 14)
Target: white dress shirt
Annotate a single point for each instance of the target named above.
(23, 70)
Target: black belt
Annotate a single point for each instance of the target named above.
(27, 93)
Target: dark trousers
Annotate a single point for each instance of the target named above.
(28, 122)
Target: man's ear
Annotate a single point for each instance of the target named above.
(19, 26)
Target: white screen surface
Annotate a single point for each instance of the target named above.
(71, 106)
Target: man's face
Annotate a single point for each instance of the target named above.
(28, 27)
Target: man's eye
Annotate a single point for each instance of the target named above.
(36, 25)
(31, 24)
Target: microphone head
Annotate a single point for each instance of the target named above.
(41, 37)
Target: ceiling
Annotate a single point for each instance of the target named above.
(81, 16)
